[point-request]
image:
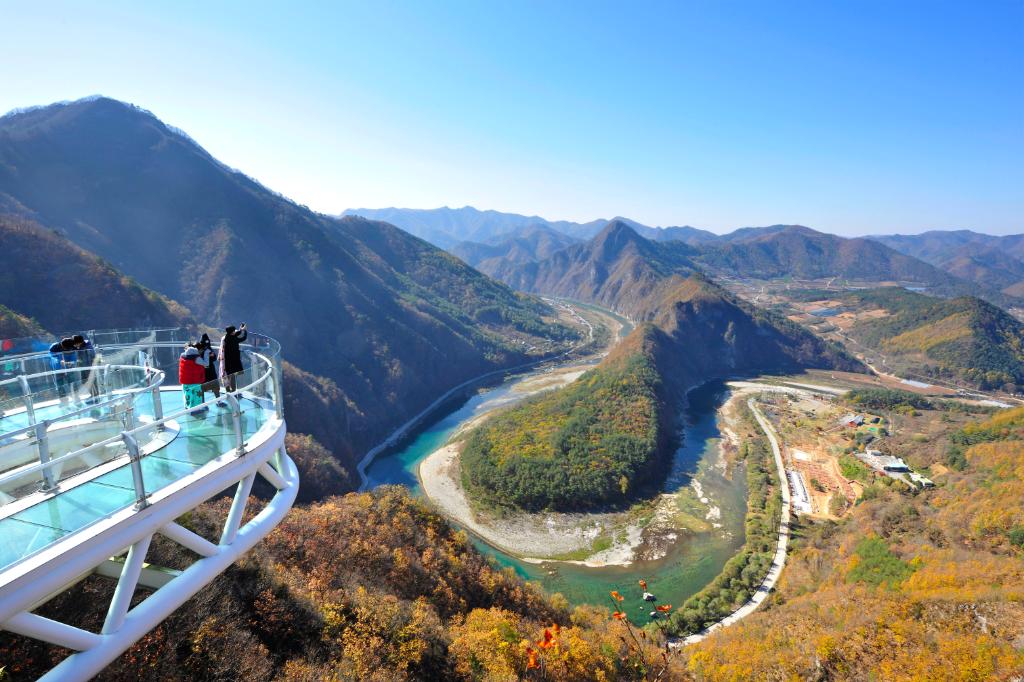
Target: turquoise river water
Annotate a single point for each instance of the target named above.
(692, 560)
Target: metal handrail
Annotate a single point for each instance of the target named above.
(89, 334)
(131, 444)
(62, 370)
(140, 344)
(23, 378)
(130, 440)
(159, 375)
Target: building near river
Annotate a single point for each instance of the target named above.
(801, 499)
(852, 420)
(893, 467)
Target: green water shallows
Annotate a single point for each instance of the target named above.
(691, 562)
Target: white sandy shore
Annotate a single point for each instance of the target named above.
(520, 534)
(541, 537)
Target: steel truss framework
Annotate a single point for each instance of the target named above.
(98, 550)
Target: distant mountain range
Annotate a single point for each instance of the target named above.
(520, 246)
(961, 337)
(802, 253)
(446, 227)
(497, 243)
(775, 252)
(993, 262)
(375, 322)
(712, 332)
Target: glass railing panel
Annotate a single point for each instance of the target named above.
(82, 451)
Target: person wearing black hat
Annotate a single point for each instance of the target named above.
(231, 355)
(63, 356)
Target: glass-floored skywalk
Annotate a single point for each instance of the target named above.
(69, 433)
(98, 455)
(198, 441)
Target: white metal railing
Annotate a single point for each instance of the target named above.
(98, 337)
(130, 437)
(40, 429)
(264, 376)
(100, 372)
(97, 547)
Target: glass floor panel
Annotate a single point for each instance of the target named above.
(72, 510)
(199, 440)
(55, 410)
(157, 473)
(18, 539)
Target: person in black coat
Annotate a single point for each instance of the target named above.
(231, 355)
(211, 356)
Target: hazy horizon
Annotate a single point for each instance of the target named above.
(674, 224)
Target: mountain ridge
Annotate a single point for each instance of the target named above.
(996, 262)
(384, 318)
(659, 282)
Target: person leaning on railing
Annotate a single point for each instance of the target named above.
(231, 355)
(64, 356)
(85, 356)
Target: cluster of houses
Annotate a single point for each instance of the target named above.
(894, 467)
(891, 466)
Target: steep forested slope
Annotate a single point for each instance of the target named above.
(380, 320)
(963, 338)
(591, 444)
(409, 599)
(718, 335)
(63, 288)
(14, 325)
(618, 269)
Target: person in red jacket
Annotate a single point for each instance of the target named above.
(191, 375)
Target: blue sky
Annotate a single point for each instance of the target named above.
(852, 117)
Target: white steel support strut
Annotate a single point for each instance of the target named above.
(113, 545)
(94, 550)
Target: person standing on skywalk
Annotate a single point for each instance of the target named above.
(191, 375)
(211, 357)
(231, 355)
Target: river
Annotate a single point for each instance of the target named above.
(692, 559)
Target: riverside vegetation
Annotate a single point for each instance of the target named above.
(744, 573)
(591, 444)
